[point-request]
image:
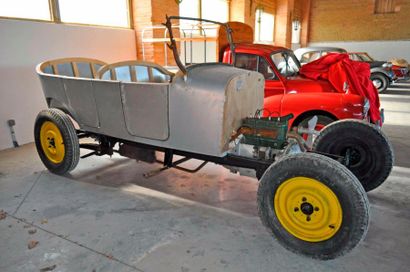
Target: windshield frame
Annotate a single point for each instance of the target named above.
(292, 55)
(173, 44)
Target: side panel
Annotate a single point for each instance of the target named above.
(146, 109)
(109, 107)
(80, 94)
(53, 89)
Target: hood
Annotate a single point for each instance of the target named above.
(299, 84)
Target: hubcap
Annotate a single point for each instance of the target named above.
(52, 142)
(308, 209)
(377, 83)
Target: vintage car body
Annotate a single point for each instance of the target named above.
(402, 73)
(312, 203)
(401, 68)
(304, 98)
(382, 73)
(154, 113)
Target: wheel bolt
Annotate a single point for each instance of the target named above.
(296, 209)
(304, 199)
(308, 218)
(317, 209)
(331, 226)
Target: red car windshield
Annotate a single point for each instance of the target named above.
(286, 63)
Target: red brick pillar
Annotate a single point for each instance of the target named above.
(283, 22)
(304, 35)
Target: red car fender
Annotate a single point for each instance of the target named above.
(335, 105)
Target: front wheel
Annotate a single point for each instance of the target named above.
(380, 81)
(56, 141)
(313, 205)
(366, 149)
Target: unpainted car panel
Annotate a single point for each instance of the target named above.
(146, 110)
(217, 97)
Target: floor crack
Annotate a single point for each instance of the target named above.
(75, 242)
(29, 191)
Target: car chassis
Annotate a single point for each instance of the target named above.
(310, 201)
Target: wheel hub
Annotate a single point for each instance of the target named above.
(308, 209)
(377, 83)
(52, 142)
(355, 156)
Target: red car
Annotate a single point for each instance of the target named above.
(287, 92)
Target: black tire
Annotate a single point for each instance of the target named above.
(71, 154)
(350, 194)
(371, 154)
(380, 81)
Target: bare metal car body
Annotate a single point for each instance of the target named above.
(215, 95)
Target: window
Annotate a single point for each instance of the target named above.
(385, 6)
(94, 12)
(215, 10)
(254, 63)
(309, 57)
(286, 63)
(354, 57)
(246, 61)
(30, 9)
(265, 69)
(264, 25)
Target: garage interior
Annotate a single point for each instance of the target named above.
(106, 216)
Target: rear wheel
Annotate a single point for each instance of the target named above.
(368, 152)
(380, 81)
(313, 205)
(56, 141)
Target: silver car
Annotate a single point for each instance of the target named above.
(309, 54)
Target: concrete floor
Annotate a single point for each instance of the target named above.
(106, 216)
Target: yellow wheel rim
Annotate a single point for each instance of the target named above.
(308, 209)
(52, 142)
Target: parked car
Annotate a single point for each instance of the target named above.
(401, 68)
(312, 204)
(309, 54)
(382, 73)
(287, 92)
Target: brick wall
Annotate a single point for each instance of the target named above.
(353, 20)
(149, 13)
(283, 10)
